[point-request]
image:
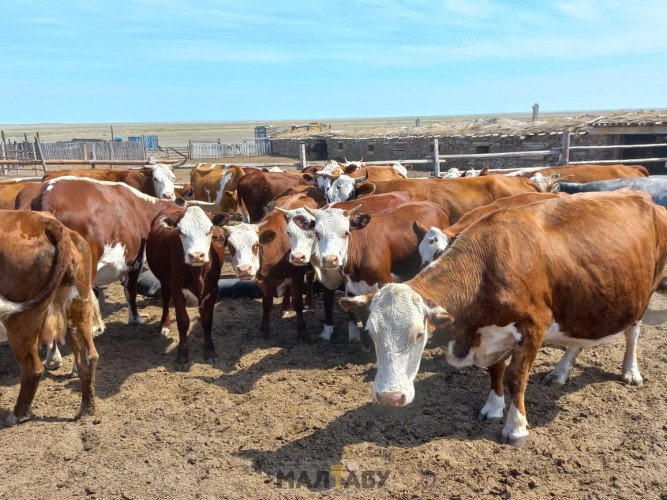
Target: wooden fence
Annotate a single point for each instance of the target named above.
(199, 150)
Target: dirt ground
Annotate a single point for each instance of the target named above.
(274, 407)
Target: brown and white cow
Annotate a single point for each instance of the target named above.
(185, 252)
(257, 190)
(113, 218)
(45, 291)
(368, 251)
(260, 252)
(599, 258)
(344, 187)
(578, 173)
(434, 241)
(157, 179)
(216, 185)
(456, 196)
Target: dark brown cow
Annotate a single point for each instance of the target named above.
(257, 190)
(9, 191)
(113, 218)
(434, 241)
(369, 251)
(156, 179)
(456, 196)
(185, 252)
(574, 271)
(45, 291)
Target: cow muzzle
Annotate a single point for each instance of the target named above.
(330, 261)
(245, 272)
(168, 196)
(391, 399)
(298, 259)
(197, 258)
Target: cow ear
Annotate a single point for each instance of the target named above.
(180, 201)
(408, 167)
(168, 222)
(232, 195)
(366, 189)
(360, 305)
(308, 176)
(221, 219)
(267, 236)
(484, 171)
(359, 221)
(437, 316)
(236, 217)
(303, 222)
(420, 230)
(352, 167)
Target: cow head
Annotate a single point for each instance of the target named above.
(344, 188)
(301, 241)
(328, 174)
(399, 321)
(195, 230)
(163, 178)
(432, 242)
(547, 183)
(331, 227)
(452, 173)
(243, 241)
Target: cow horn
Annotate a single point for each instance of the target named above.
(354, 210)
(281, 210)
(363, 178)
(312, 211)
(260, 225)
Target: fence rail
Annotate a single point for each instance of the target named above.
(200, 150)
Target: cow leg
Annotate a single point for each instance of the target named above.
(561, 373)
(515, 431)
(183, 323)
(165, 320)
(54, 359)
(131, 295)
(630, 373)
(99, 293)
(310, 300)
(328, 300)
(297, 303)
(31, 372)
(493, 409)
(206, 320)
(286, 304)
(267, 305)
(81, 319)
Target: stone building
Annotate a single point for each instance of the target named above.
(493, 135)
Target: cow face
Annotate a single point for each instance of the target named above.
(328, 174)
(398, 322)
(243, 243)
(195, 230)
(301, 241)
(163, 178)
(432, 243)
(343, 189)
(331, 227)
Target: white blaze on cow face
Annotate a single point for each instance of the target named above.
(332, 237)
(195, 230)
(433, 245)
(342, 189)
(163, 178)
(324, 176)
(301, 241)
(397, 323)
(243, 243)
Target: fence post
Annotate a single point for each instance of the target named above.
(143, 143)
(38, 146)
(190, 149)
(302, 154)
(565, 152)
(436, 160)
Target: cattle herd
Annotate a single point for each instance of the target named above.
(490, 266)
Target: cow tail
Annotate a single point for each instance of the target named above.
(57, 234)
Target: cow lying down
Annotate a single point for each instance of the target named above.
(483, 302)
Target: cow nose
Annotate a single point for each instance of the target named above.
(244, 271)
(330, 261)
(390, 399)
(298, 258)
(168, 196)
(197, 257)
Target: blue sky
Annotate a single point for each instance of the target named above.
(191, 60)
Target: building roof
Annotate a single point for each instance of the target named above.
(506, 125)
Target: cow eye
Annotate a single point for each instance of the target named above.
(420, 335)
(232, 250)
(318, 236)
(347, 233)
(255, 248)
(289, 235)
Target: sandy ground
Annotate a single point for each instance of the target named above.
(276, 406)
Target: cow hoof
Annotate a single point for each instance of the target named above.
(287, 314)
(182, 367)
(139, 320)
(632, 379)
(212, 360)
(53, 365)
(13, 420)
(552, 380)
(488, 419)
(164, 330)
(262, 335)
(517, 442)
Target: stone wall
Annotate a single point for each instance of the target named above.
(413, 148)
